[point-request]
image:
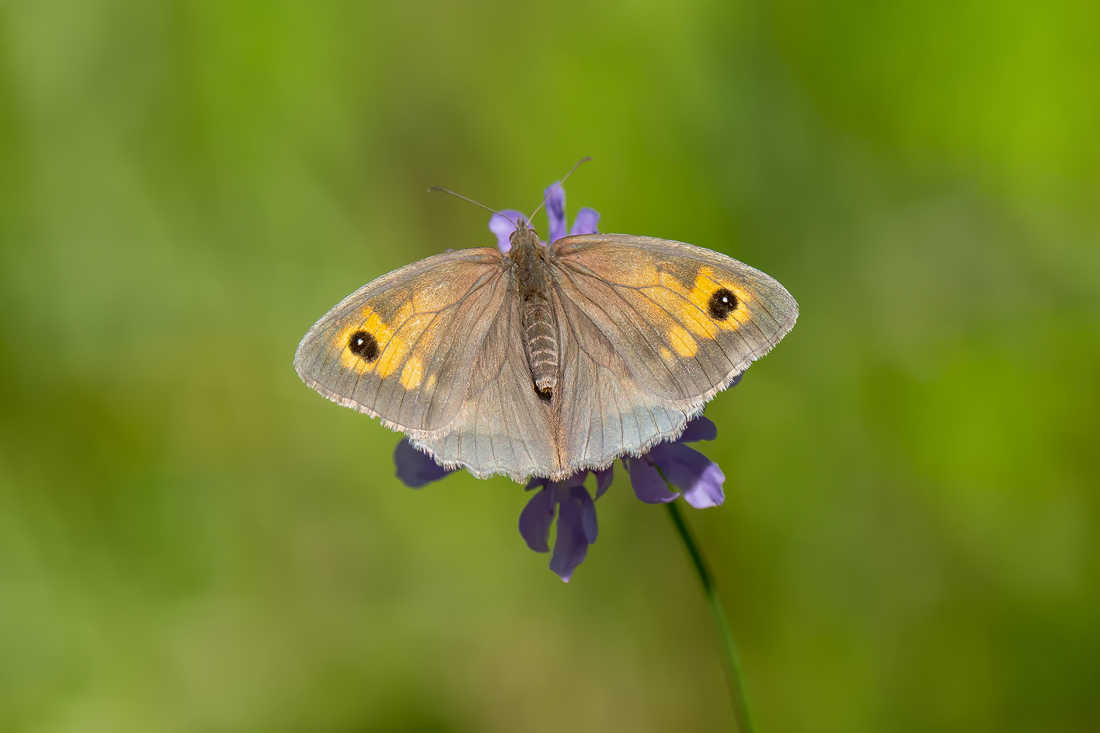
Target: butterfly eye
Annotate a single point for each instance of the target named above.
(363, 345)
(721, 304)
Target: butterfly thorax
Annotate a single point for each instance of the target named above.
(531, 273)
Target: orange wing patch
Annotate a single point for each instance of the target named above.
(693, 309)
(682, 342)
(706, 285)
(372, 324)
(677, 300)
(399, 344)
(412, 373)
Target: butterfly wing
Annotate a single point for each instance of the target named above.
(658, 328)
(603, 412)
(403, 347)
(502, 427)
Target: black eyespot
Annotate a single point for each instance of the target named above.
(363, 345)
(721, 304)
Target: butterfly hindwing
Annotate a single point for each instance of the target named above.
(601, 412)
(503, 427)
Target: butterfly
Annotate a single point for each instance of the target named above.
(546, 360)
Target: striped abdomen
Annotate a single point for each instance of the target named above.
(540, 341)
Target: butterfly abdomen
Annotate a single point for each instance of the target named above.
(540, 341)
(530, 267)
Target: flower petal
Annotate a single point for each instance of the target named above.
(698, 429)
(707, 491)
(586, 221)
(416, 469)
(554, 195)
(576, 525)
(502, 224)
(693, 473)
(535, 520)
(536, 482)
(580, 496)
(576, 479)
(603, 480)
(648, 484)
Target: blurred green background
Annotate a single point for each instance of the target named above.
(192, 540)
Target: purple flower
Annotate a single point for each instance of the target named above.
(503, 224)
(696, 476)
(416, 469)
(576, 519)
(699, 478)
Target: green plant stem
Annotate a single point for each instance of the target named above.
(732, 660)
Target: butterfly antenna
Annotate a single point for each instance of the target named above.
(561, 183)
(464, 198)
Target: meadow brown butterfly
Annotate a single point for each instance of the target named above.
(546, 360)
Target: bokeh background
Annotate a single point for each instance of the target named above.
(192, 540)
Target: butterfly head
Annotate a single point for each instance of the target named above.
(524, 237)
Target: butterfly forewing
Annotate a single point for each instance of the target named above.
(403, 347)
(684, 319)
